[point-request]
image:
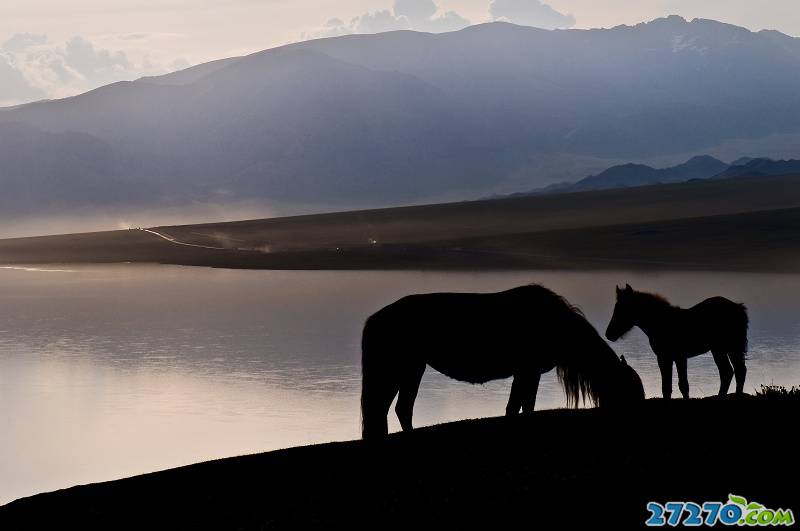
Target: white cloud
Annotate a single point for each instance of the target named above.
(32, 67)
(179, 64)
(22, 41)
(335, 27)
(14, 88)
(530, 13)
(448, 21)
(416, 11)
(379, 22)
(425, 15)
(92, 63)
(419, 15)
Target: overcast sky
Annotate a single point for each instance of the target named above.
(55, 48)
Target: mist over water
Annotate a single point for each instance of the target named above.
(116, 370)
(125, 216)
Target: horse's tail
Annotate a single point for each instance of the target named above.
(576, 385)
(579, 368)
(579, 377)
(373, 383)
(738, 334)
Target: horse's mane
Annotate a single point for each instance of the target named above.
(546, 293)
(653, 297)
(652, 300)
(580, 364)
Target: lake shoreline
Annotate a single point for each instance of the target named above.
(555, 467)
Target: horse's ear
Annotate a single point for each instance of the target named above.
(628, 288)
(619, 290)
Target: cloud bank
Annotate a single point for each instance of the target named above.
(32, 67)
(530, 13)
(418, 15)
(425, 15)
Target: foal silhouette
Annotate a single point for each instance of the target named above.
(676, 334)
(476, 337)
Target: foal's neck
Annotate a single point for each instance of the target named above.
(654, 314)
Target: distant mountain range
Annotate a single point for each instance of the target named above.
(405, 117)
(700, 167)
(760, 167)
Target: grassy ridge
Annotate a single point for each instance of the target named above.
(557, 467)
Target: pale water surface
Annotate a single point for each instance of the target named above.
(110, 371)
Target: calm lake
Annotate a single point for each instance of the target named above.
(110, 371)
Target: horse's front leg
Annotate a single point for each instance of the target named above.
(665, 366)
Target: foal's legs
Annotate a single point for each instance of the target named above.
(740, 370)
(725, 371)
(409, 385)
(665, 366)
(683, 380)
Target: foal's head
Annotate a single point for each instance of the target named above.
(624, 317)
(633, 308)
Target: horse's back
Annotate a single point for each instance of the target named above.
(719, 308)
(457, 308)
(451, 317)
(474, 337)
(717, 302)
(723, 319)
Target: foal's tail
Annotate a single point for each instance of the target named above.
(374, 384)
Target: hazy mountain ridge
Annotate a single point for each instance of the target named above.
(404, 116)
(699, 167)
(760, 167)
(73, 169)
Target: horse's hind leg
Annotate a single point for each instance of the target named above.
(376, 423)
(529, 400)
(725, 371)
(523, 393)
(515, 397)
(665, 366)
(683, 379)
(409, 385)
(739, 369)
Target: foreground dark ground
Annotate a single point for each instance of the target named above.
(583, 469)
(745, 224)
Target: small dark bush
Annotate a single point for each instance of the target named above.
(778, 391)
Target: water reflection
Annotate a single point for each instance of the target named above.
(115, 370)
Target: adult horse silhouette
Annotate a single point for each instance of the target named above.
(676, 334)
(476, 337)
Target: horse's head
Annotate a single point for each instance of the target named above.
(625, 388)
(631, 388)
(623, 319)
